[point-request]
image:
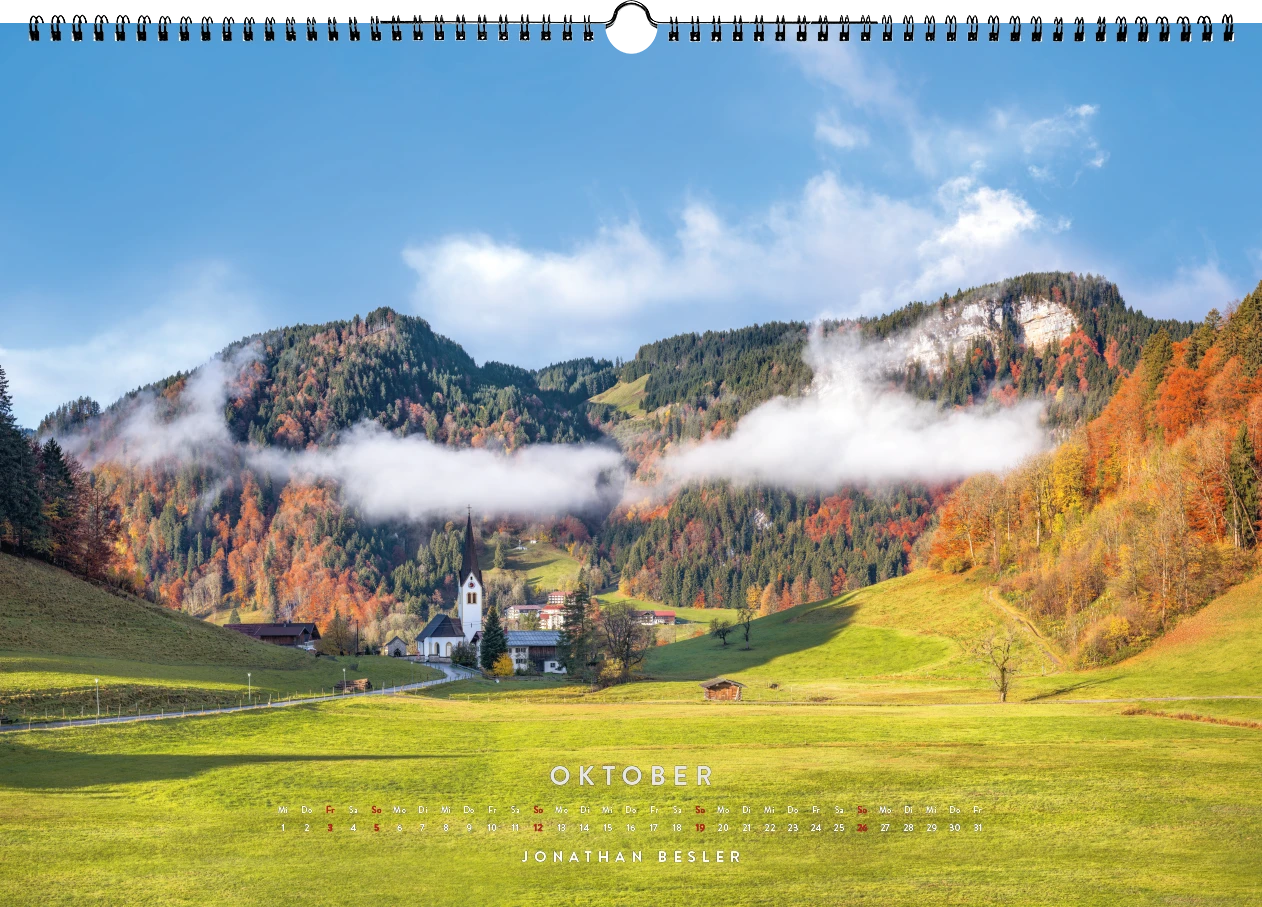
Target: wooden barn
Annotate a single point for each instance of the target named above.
(284, 634)
(723, 689)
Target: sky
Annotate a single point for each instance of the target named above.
(537, 202)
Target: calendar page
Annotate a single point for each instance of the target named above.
(628, 456)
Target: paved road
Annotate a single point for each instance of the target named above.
(454, 672)
(450, 673)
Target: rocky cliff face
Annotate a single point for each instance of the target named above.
(1038, 322)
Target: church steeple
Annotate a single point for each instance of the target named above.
(469, 562)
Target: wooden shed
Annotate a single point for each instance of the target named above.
(723, 689)
(360, 685)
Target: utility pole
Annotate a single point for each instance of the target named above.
(249, 685)
(97, 681)
(357, 637)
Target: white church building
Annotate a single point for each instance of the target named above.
(530, 650)
(443, 633)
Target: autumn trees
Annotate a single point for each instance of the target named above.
(602, 644)
(1145, 514)
(723, 546)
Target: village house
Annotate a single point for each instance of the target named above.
(283, 634)
(517, 612)
(552, 618)
(535, 651)
(443, 633)
(395, 648)
(657, 618)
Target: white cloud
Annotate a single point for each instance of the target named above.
(851, 428)
(1070, 128)
(1191, 292)
(830, 130)
(387, 477)
(188, 324)
(837, 248)
(384, 476)
(864, 83)
(986, 218)
(153, 429)
(936, 146)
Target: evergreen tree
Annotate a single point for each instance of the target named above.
(498, 559)
(1158, 352)
(21, 519)
(235, 616)
(577, 646)
(59, 499)
(494, 642)
(1242, 507)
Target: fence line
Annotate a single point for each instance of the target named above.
(450, 674)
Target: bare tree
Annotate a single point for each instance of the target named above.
(720, 628)
(1001, 652)
(626, 639)
(745, 619)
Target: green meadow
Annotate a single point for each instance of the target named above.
(625, 396)
(1077, 805)
(59, 636)
(867, 700)
(545, 566)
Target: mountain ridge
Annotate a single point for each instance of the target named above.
(199, 540)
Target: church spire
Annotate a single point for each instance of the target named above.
(469, 562)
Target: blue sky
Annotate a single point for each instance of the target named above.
(537, 202)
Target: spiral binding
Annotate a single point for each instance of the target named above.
(802, 26)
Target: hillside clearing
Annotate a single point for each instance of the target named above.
(625, 396)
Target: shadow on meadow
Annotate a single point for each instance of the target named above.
(787, 632)
(32, 768)
(1074, 687)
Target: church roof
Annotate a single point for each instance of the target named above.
(442, 627)
(469, 562)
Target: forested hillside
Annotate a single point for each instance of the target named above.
(708, 546)
(204, 536)
(210, 537)
(1144, 514)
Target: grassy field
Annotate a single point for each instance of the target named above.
(894, 642)
(689, 622)
(545, 565)
(865, 701)
(625, 396)
(59, 634)
(1078, 805)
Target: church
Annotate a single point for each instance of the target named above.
(443, 633)
(532, 651)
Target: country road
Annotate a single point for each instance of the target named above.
(450, 673)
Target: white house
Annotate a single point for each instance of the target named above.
(654, 618)
(517, 612)
(443, 633)
(552, 618)
(534, 650)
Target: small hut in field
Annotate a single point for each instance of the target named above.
(723, 689)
